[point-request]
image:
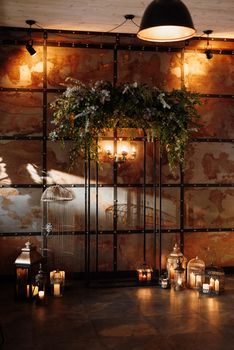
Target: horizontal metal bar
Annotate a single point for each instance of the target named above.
(126, 186)
(119, 232)
(91, 33)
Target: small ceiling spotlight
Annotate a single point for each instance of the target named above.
(29, 44)
(208, 51)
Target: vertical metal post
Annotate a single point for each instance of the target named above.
(44, 147)
(97, 217)
(144, 200)
(86, 212)
(88, 217)
(155, 202)
(115, 216)
(160, 210)
(182, 209)
(115, 168)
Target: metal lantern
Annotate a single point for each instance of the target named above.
(215, 278)
(172, 262)
(26, 267)
(40, 282)
(195, 273)
(144, 274)
(57, 281)
(179, 277)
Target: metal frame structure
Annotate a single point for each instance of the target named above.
(87, 233)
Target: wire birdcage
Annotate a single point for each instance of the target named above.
(58, 226)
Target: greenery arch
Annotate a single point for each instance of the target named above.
(84, 112)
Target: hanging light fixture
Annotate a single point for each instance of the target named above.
(166, 21)
(29, 44)
(208, 51)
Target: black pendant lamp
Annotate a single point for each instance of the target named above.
(166, 21)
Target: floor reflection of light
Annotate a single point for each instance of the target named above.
(144, 294)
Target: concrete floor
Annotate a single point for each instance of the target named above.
(130, 318)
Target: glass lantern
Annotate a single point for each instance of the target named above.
(215, 278)
(57, 282)
(195, 273)
(144, 274)
(26, 267)
(40, 282)
(164, 281)
(179, 277)
(172, 262)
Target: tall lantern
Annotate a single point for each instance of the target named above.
(195, 273)
(172, 262)
(179, 279)
(26, 267)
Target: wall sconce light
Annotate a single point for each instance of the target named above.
(29, 44)
(208, 51)
(166, 21)
(123, 153)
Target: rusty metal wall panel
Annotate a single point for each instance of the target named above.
(20, 70)
(156, 69)
(21, 162)
(209, 76)
(82, 64)
(20, 210)
(221, 245)
(209, 207)
(209, 162)
(21, 113)
(216, 118)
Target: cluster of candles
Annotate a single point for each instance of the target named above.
(57, 281)
(213, 286)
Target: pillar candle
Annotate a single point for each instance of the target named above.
(56, 289)
(41, 294)
(216, 285)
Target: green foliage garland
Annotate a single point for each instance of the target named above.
(84, 112)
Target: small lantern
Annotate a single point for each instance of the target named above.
(144, 274)
(57, 282)
(195, 273)
(172, 262)
(40, 282)
(179, 278)
(26, 267)
(215, 278)
(164, 281)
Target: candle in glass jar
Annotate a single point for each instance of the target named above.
(28, 290)
(216, 285)
(148, 275)
(192, 280)
(41, 294)
(56, 289)
(212, 283)
(35, 290)
(205, 288)
(198, 281)
(172, 273)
